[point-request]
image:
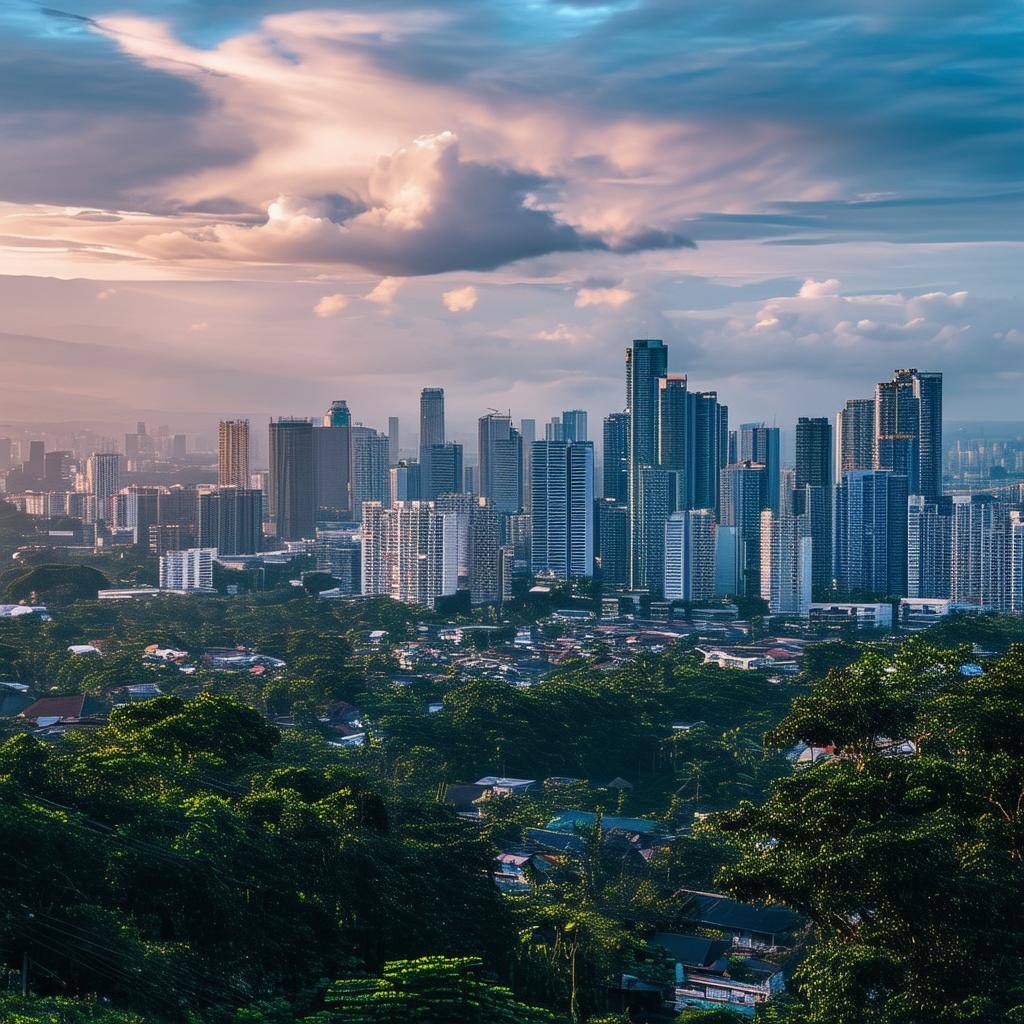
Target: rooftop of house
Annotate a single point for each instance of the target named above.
(571, 821)
(716, 911)
(62, 708)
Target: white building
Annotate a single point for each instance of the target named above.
(864, 615)
(786, 563)
(189, 570)
(690, 555)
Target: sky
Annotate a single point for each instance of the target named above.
(221, 208)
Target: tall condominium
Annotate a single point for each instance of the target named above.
(742, 501)
(574, 425)
(690, 555)
(929, 546)
(650, 513)
(761, 444)
(369, 468)
(908, 429)
(500, 449)
(486, 574)
(292, 478)
(855, 436)
(332, 450)
(813, 452)
(979, 562)
(188, 570)
(405, 482)
(441, 469)
(787, 556)
(615, 469)
(611, 546)
(676, 436)
(431, 417)
(646, 364)
(871, 532)
(230, 519)
(562, 509)
(710, 449)
(528, 433)
(103, 478)
(233, 453)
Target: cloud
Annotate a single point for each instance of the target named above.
(330, 305)
(563, 332)
(105, 294)
(812, 289)
(199, 326)
(613, 297)
(460, 300)
(385, 291)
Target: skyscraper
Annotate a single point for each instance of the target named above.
(676, 414)
(393, 440)
(980, 566)
(405, 482)
(616, 458)
(611, 547)
(369, 468)
(653, 505)
(528, 433)
(332, 448)
(786, 562)
(441, 470)
(690, 555)
(338, 414)
(711, 442)
(230, 520)
(103, 477)
(813, 495)
(188, 570)
(871, 533)
(501, 463)
(759, 443)
(908, 429)
(292, 478)
(562, 510)
(813, 452)
(574, 425)
(855, 434)
(929, 541)
(743, 498)
(431, 418)
(485, 553)
(233, 453)
(646, 364)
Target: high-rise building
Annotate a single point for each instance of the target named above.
(292, 478)
(58, 470)
(233, 453)
(574, 425)
(442, 469)
(929, 546)
(501, 463)
(553, 430)
(485, 553)
(676, 411)
(431, 418)
(615, 471)
(458, 507)
(690, 555)
(332, 449)
(728, 582)
(230, 519)
(36, 464)
(871, 533)
(369, 468)
(337, 552)
(611, 546)
(405, 482)
(761, 444)
(787, 555)
(103, 479)
(646, 364)
(519, 533)
(980, 563)
(855, 436)
(908, 429)
(653, 505)
(393, 440)
(188, 570)
(813, 452)
(528, 433)
(814, 488)
(179, 447)
(562, 510)
(743, 498)
(710, 447)
(6, 454)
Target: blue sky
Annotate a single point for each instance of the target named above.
(276, 204)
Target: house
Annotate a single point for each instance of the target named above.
(708, 976)
(749, 926)
(515, 869)
(465, 798)
(54, 716)
(13, 699)
(14, 611)
(578, 821)
(84, 649)
(499, 785)
(164, 655)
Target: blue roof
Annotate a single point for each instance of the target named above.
(571, 821)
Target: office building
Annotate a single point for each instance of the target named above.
(813, 490)
(710, 449)
(58, 470)
(233, 453)
(562, 511)
(653, 505)
(574, 426)
(394, 440)
(676, 409)
(787, 554)
(728, 581)
(553, 430)
(615, 456)
(929, 546)
(442, 470)
(292, 478)
(744, 493)
(370, 480)
(338, 415)
(690, 555)
(405, 482)
(855, 436)
(611, 544)
(230, 519)
(188, 570)
(501, 463)
(519, 534)
(431, 418)
(332, 449)
(871, 533)
(761, 444)
(646, 365)
(528, 434)
(908, 429)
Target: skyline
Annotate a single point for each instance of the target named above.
(196, 218)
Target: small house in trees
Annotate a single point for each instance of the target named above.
(750, 927)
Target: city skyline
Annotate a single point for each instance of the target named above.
(192, 227)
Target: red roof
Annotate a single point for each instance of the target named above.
(78, 706)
